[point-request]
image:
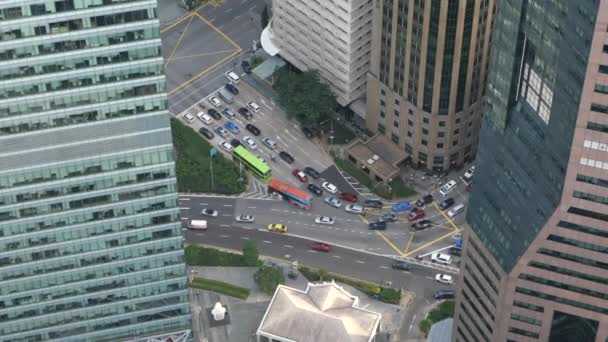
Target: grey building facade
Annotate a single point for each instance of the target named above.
(90, 241)
(535, 264)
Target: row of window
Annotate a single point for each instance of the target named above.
(595, 145)
(574, 258)
(565, 301)
(582, 228)
(588, 213)
(568, 272)
(528, 306)
(480, 299)
(54, 6)
(526, 319)
(598, 164)
(470, 318)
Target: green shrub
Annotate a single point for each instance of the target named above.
(309, 273)
(202, 256)
(268, 278)
(220, 287)
(250, 254)
(390, 295)
(441, 312)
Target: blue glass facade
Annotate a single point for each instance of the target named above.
(90, 241)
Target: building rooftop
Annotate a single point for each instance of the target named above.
(323, 312)
(441, 331)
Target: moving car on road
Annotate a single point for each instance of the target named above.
(377, 226)
(225, 145)
(401, 206)
(314, 189)
(422, 224)
(246, 67)
(324, 220)
(250, 143)
(444, 294)
(270, 143)
(354, 208)
(468, 176)
(329, 187)
(253, 129)
(209, 212)
(312, 172)
(197, 224)
(320, 246)
(206, 133)
(214, 113)
(416, 214)
(205, 118)
(441, 258)
(277, 227)
(348, 197)
(334, 202)
(232, 127)
(424, 200)
(221, 131)
(245, 218)
(215, 101)
(286, 157)
(388, 217)
(299, 175)
(446, 203)
(373, 204)
(444, 278)
(400, 265)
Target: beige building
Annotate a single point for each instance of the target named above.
(426, 81)
(332, 37)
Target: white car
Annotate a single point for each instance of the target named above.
(334, 202)
(205, 118)
(354, 208)
(225, 145)
(441, 258)
(245, 218)
(329, 187)
(250, 143)
(254, 106)
(447, 187)
(188, 117)
(209, 212)
(215, 101)
(444, 278)
(469, 174)
(324, 220)
(270, 143)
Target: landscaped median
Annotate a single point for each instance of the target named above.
(220, 287)
(385, 294)
(202, 256)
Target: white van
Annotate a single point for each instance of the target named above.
(198, 224)
(254, 106)
(233, 77)
(456, 210)
(447, 187)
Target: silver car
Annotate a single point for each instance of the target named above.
(324, 220)
(334, 202)
(354, 208)
(270, 143)
(245, 218)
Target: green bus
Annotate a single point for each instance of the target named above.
(252, 163)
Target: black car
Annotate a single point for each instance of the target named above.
(232, 88)
(245, 113)
(401, 265)
(422, 224)
(286, 157)
(246, 67)
(424, 200)
(312, 172)
(214, 113)
(308, 132)
(444, 294)
(455, 251)
(206, 133)
(235, 143)
(373, 204)
(377, 225)
(446, 203)
(388, 217)
(254, 130)
(315, 189)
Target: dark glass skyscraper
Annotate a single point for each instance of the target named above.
(535, 262)
(90, 241)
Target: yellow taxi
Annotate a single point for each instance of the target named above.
(277, 227)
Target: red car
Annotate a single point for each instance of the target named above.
(415, 214)
(301, 176)
(320, 246)
(348, 197)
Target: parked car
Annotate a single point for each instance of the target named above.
(253, 129)
(206, 133)
(334, 202)
(286, 157)
(232, 88)
(215, 101)
(446, 203)
(373, 204)
(447, 187)
(244, 218)
(455, 251)
(388, 217)
(377, 226)
(308, 132)
(250, 143)
(444, 294)
(456, 210)
(422, 224)
(324, 220)
(205, 118)
(209, 212)
(469, 174)
(277, 227)
(424, 200)
(245, 113)
(444, 278)
(312, 172)
(228, 113)
(300, 175)
(188, 117)
(270, 143)
(214, 113)
(401, 206)
(329, 187)
(246, 67)
(225, 145)
(232, 127)
(221, 131)
(235, 142)
(253, 106)
(315, 189)
(400, 265)
(320, 246)
(416, 214)
(441, 258)
(354, 208)
(348, 197)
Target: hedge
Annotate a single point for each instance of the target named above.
(220, 287)
(441, 312)
(203, 256)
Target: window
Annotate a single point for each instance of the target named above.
(395, 138)
(396, 123)
(440, 145)
(526, 319)
(582, 228)
(440, 134)
(596, 107)
(523, 332)
(382, 114)
(556, 299)
(423, 142)
(425, 131)
(588, 213)
(600, 88)
(409, 134)
(381, 128)
(590, 197)
(441, 123)
(577, 243)
(568, 272)
(528, 306)
(425, 120)
(603, 69)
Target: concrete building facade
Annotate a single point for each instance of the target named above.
(426, 81)
(535, 264)
(332, 37)
(90, 233)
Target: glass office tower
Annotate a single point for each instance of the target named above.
(90, 242)
(535, 264)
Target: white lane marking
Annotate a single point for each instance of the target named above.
(224, 225)
(184, 199)
(184, 208)
(361, 262)
(430, 278)
(412, 325)
(337, 257)
(226, 215)
(244, 238)
(251, 207)
(184, 228)
(184, 218)
(203, 204)
(227, 205)
(288, 246)
(311, 251)
(200, 234)
(224, 236)
(266, 241)
(383, 266)
(228, 10)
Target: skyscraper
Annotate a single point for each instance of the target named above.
(90, 242)
(427, 74)
(535, 264)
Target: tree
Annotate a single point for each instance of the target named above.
(264, 17)
(268, 278)
(250, 253)
(441, 312)
(305, 96)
